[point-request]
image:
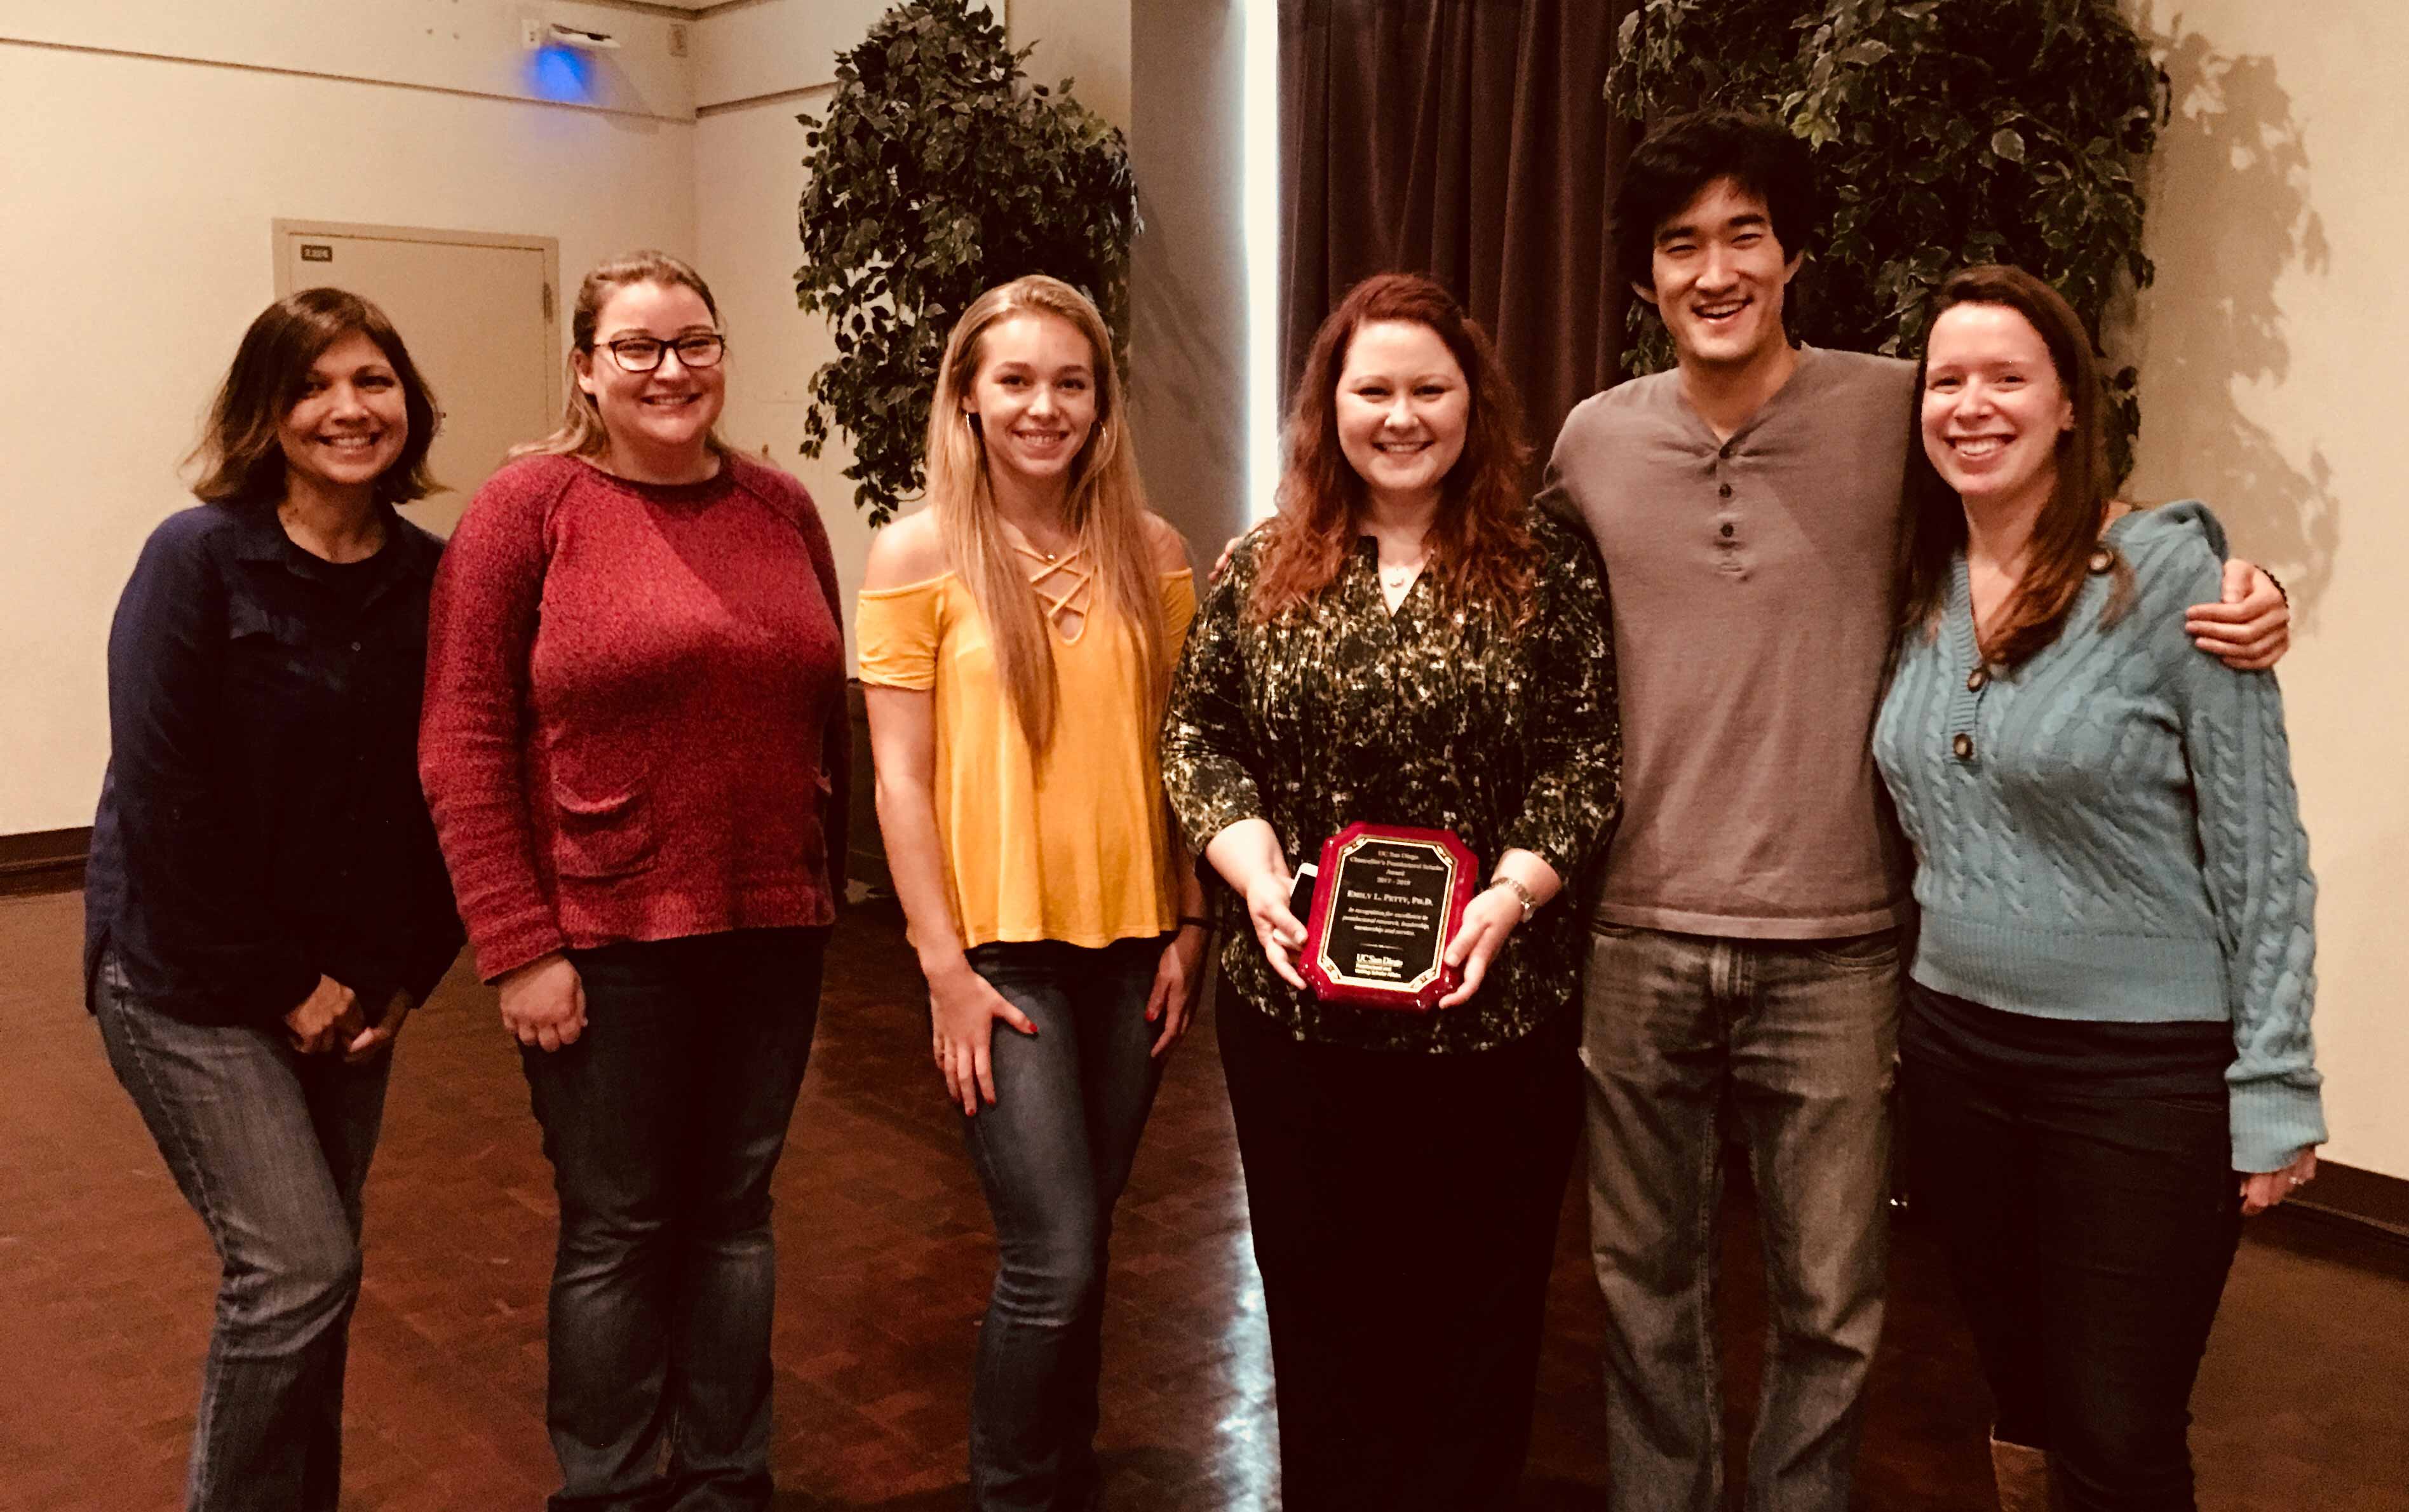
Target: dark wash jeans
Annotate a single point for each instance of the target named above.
(271, 1147)
(2085, 1196)
(1404, 1209)
(663, 1124)
(1795, 1039)
(1053, 1154)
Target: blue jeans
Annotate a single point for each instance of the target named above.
(663, 1124)
(271, 1147)
(1795, 1041)
(1053, 1153)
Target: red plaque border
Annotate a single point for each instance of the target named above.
(1332, 984)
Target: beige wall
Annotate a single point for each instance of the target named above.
(1187, 288)
(2266, 349)
(471, 45)
(777, 46)
(139, 193)
(748, 179)
(1086, 41)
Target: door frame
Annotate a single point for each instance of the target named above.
(282, 227)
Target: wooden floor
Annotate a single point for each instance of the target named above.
(884, 1262)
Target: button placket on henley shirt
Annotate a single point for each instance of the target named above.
(1752, 583)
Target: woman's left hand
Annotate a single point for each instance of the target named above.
(378, 1036)
(2263, 1189)
(1176, 977)
(1488, 920)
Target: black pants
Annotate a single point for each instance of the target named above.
(2082, 1178)
(1404, 1214)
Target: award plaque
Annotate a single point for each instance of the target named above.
(1386, 902)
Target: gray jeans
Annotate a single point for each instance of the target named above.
(271, 1148)
(1794, 1041)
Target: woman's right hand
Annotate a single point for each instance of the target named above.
(327, 1020)
(1276, 929)
(963, 1010)
(543, 1003)
(1247, 855)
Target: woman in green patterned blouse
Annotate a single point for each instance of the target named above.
(1407, 642)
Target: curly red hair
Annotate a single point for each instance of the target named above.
(1479, 547)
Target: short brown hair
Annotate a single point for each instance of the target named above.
(239, 459)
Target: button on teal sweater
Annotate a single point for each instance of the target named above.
(2110, 832)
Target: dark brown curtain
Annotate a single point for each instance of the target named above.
(1470, 140)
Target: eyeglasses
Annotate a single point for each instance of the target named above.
(642, 354)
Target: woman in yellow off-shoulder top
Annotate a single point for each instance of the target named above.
(1018, 637)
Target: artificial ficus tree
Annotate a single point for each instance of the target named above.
(1944, 132)
(939, 171)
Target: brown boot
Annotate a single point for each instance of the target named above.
(2022, 1474)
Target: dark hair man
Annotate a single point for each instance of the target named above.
(1746, 943)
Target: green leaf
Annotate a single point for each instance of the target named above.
(939, 170)
(2008, 144)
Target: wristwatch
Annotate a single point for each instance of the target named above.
(1530, 904)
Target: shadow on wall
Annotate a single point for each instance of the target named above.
(2231, 218)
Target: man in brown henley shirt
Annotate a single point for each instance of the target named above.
(1746, 942)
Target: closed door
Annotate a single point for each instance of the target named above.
(477, 313)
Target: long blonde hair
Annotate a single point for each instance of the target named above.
(581, 432)
(1106, 509)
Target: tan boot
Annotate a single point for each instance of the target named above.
(2022, 1474)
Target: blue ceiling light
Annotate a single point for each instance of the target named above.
(556, 72)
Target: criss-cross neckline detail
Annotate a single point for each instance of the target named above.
(1048, 575)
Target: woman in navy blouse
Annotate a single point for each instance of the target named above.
(264, 902)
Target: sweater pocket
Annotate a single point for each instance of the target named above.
(606, 835)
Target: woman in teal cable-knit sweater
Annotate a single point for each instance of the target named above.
(2106, 1051)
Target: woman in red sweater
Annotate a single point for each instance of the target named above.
(634, 744)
